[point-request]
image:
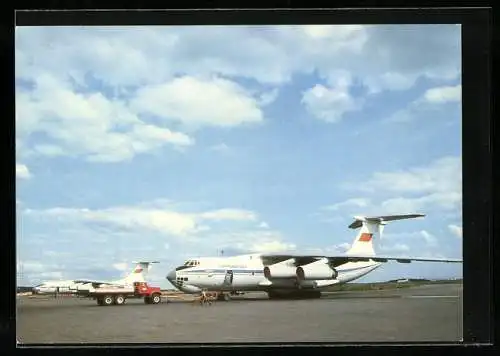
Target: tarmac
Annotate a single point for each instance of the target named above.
(429, 313)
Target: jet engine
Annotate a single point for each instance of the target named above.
(316, 270)
(284, 269)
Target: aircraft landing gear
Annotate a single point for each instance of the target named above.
(294, 295)
(223, 297)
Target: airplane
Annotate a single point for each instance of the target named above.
(285, 275)
(77, 285)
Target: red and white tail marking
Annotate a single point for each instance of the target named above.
(365, 237)
(371, 229)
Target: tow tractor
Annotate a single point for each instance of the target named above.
(119, 294)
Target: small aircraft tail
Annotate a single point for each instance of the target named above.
(372, 228)
(139, 272)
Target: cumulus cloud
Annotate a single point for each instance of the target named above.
(383, 56)
(221, 147)
(354, 202)
(444, 94)
(165, 221)
(187, 75)
(433, 103)
(264, 225)
(272, 246)
(398, 247)
(248, 241)
(438, 184)
(456, 230)
(88, 124)
(22, 171)
(328, 104)
(429, 239)
(229, 214)
(199, 102)
(121, 266)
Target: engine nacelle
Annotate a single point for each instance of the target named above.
(316, 270)
(283, 269)
(272, 272)
(313, 284)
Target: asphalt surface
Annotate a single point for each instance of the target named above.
(424, 313)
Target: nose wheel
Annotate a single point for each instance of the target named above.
(224, 297)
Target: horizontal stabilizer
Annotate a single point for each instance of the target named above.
(358, 220)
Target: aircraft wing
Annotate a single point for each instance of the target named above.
(301, 259)
(93, 282)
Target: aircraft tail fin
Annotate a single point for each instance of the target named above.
(372, 228)
(139, 272)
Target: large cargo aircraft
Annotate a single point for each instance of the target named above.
(292, 274)
(74, 285)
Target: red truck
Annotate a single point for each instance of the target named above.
(118, 295)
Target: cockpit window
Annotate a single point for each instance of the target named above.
(191, 263)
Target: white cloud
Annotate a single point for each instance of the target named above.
(456, 230)
(444, 94)
(442, 175)
(430, 105)
(22, 171)
(429, 239)
(86, 124)
(437, 186)
(272, 246)
(176, 74)
(354, 202)
(229, 214)
(122, 266)
(246, 241)
(199, 102)
(221, 147)
(331, 103)
(338, 248)
(382, 56)
(264, 225)
(164, 221)
(268, 97)
(398, 247)
(48, 150)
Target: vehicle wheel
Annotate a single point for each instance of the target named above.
(119, 299)
(108, 300)
(147, 300)
(156, 298)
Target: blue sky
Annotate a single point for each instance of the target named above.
(173, 142)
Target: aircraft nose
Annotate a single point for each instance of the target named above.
(171, 276)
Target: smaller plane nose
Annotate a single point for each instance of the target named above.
(171, 276)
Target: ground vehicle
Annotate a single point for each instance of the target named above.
(117, 295)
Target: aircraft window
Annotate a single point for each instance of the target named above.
(181, 267)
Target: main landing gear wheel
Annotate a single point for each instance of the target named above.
(224, 297)
(294, 295)
(119, 299)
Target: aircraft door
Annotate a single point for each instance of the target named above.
(228, 278)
